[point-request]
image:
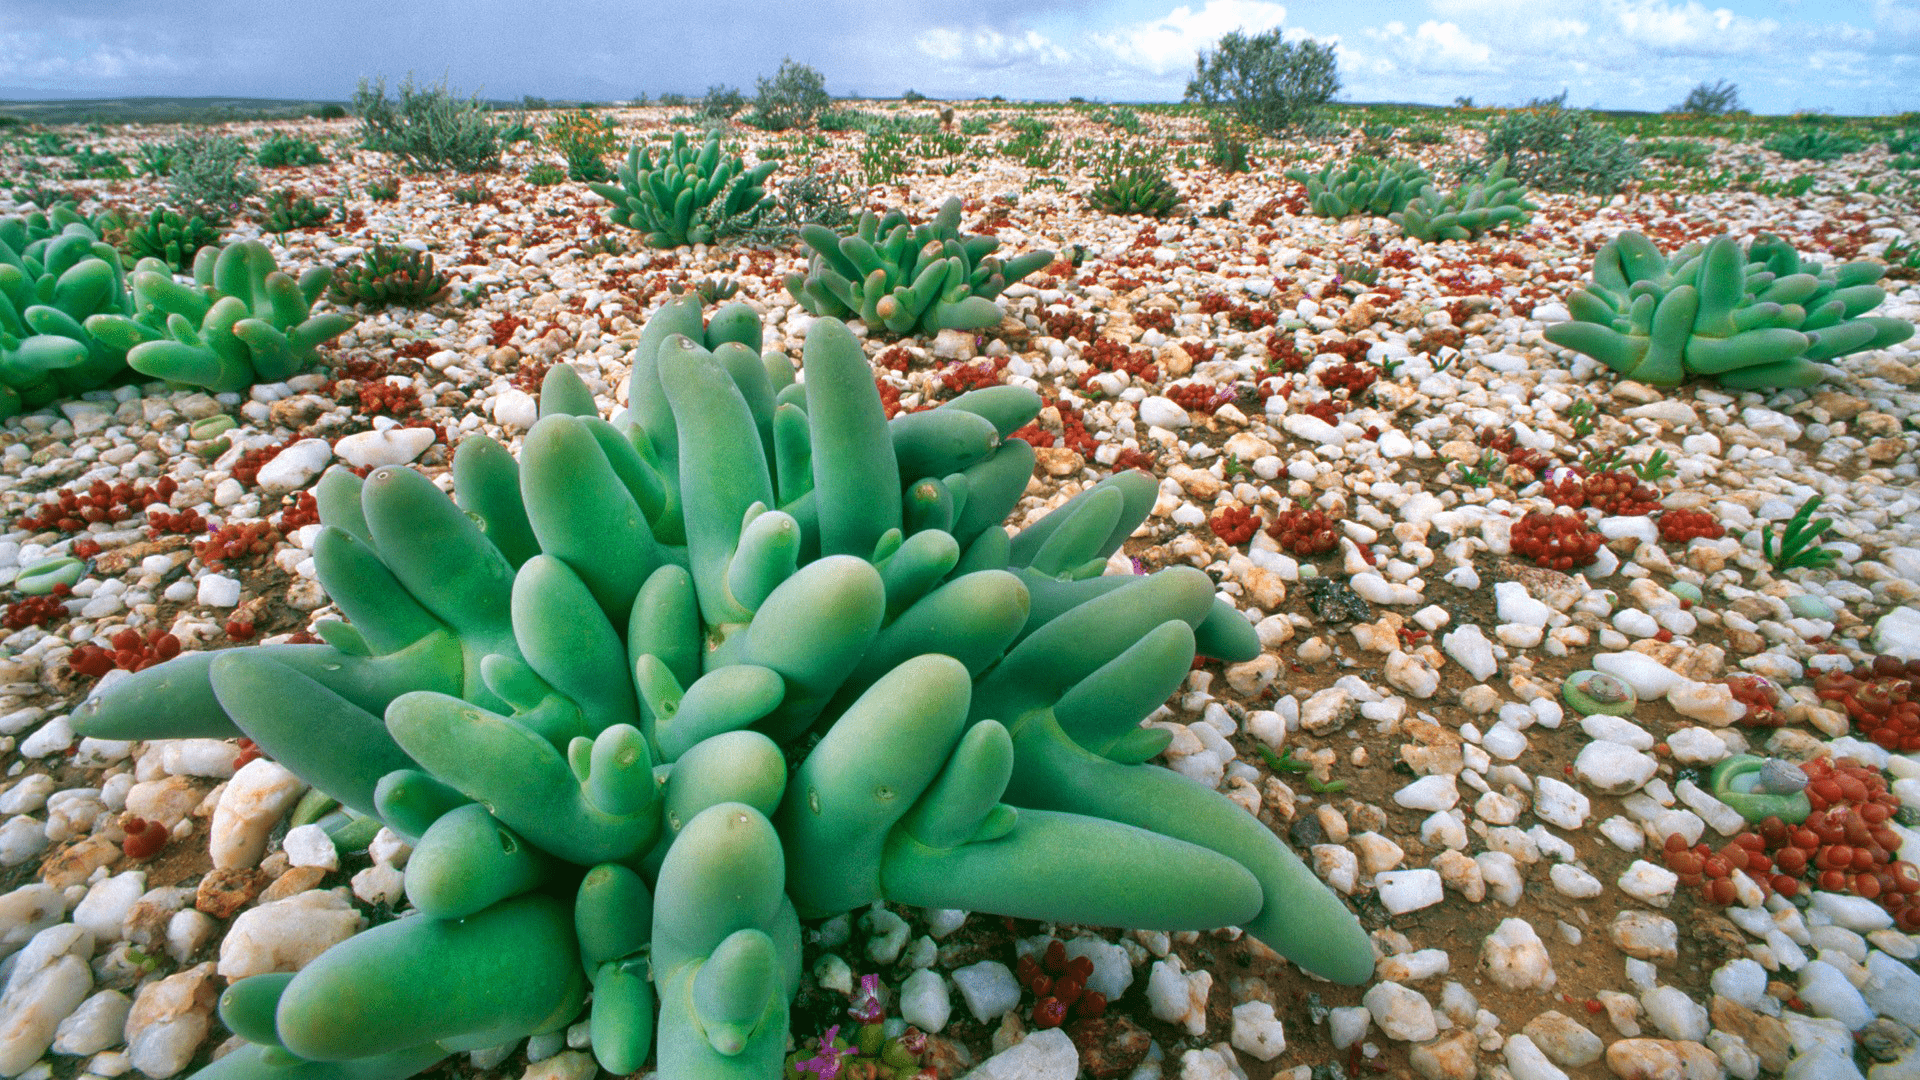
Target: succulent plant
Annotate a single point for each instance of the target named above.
(586, 670)
(282, 150)
(1478, 204)
(903, 279)
(1364, 186)
(287, 211)
(50, 284)
(1817, 145)
(247, 321)
(1144, 190)
(1753, 320)
(687, 196)
(389, 274)
(170, 237)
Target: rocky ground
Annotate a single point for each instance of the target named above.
(1405, 732)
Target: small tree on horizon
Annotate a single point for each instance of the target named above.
(1273, 84)
(1715, 99)
(791, 99)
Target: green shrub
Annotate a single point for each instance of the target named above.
(1226, 150)
(722, 101)
(1273, 84)
(281, 150)
(1815, 145)
(673, 100)
(545, 174)
(791, 99)
(1554, 148)
(153, 159)
(1904, 141)
(385, 189)
(428, 127)
(1423, 136)
(687, 196)
(584, 139)
(1710, 99)
(287, 211)
(212, 175)
(331, 111)
(1684, 153)
(975, 125)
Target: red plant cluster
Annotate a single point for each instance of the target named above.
(1533, 461)
(1070, 324)
(960, 378)
(237, 541)
(360, 369)
(1302, 532)
(1199, 352)
(43, 610)
(894, 359)
(132, 651)
(1199, 397)
(1399, 259)
(1154, 319)
(1884, 704)
(889, 397)
(1351, 377)
(416, 350)
(303, 511)
(71, 511)
(1556, 541)
(1761, 698)
(1109, 355)
(1330, 410)
(239, 629)
(503, 328)
(1131, 458)
(1681, 526)
(144, 838)
(1845, 845)
(394, 399)
(1235, 525)
(529, 375)
(1073, 430)
(1239, 316)
(1283, 355)
(1614, 493)
(1059, 987)
(188, 522)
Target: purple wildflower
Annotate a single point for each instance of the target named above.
(825, 1064)
(866, 1006)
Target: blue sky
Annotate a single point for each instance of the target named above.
(1846, 56)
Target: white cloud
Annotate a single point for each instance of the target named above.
(1171, 42)
(986, 47)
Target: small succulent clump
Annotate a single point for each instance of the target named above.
(687, 195)
(287, 211)
(1364, 186)
(282, 150)
(1818, 145)
(169, 236)
(1478, 204)
(1145, 190)
(389, 274)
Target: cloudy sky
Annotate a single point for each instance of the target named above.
(1844, 56)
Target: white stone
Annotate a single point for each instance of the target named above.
(1348, 1024)
(1402, 891)
(1163, 412)
(1711, 703)
(96, 1025)
(1207, 1064)
(1742, 981)
(1892, 989)
(1649, 884)
(1257, 1031)
(1616, 729)
(25, 912)
(379, 884)
(1697, 746)
(309, 845)
(1414, 966)
(1401, 1012)
(393, 446)
(1827, 993)
(1471, 650)
(1178, 996)
(1429, 793)
(1560, 804)
(106, 905)
(1412, 674)
(1648, 677)
(187, 931)
(1504, 741)
(1516, 958)
(211, 758)
(1897, 633)
(1674, 1014)
(1502, 876)
(1112, 968)
(252, 803)
(1612, 768)
(218, 590)
(286, 935)
(295, 467)
(1856, 913)
(1528, 1062)
(924, 1002)
(49, 980)
(1569, 880)
(988, 988)
(1646, 936)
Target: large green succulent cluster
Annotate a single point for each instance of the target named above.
(55, 275)
(578, 684)
(1145, 190)
(247, 321)
(905, 279)
(1816, 145)
(1753, 320)
(171, 237)
(389, 274)
(282, 150)
(687, 196)
(1364, 186)
(1478, 204)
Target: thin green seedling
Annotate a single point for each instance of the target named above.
(1483, 472)
(1581, 416)
(1799, 541)
(1285, 762)
(1655, 468)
